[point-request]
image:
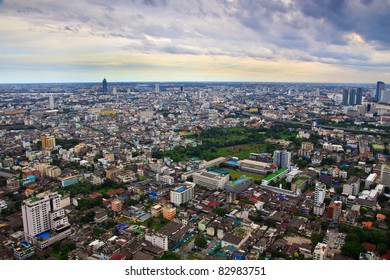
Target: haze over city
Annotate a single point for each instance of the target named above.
(279, 40)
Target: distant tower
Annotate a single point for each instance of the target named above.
(104, 85)
(157, 88)
(51, 102)
(181, 88)
(379, 87)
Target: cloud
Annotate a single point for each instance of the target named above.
(332, 32)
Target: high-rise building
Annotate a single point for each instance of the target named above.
(319, 193)
(379, 87)
(282, 158)
(47, 141)
(51, 102)
(44, 220)
(183, 193)
(385, 97)
(181, 88)
(157, 88)
(105, 89)
(352, 97)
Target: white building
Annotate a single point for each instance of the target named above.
(183, 193)
(165, 179)
(319, 193)
(44, 220)
(51, 102)
(3, 205)
(210, 180)
(370, 180)
(320, 251)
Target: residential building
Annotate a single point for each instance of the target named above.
(385, 175)
(156, 210)
(370, 180)
(116, 205)
(183, 193)
(282, 158)
(47, 141)
(44, 221)
(320, 251)
(169, 211)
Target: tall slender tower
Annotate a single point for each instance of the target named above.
(51, 102)
(104, 85)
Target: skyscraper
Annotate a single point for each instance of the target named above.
(157, 88)
(51, 102)
(352, 97)
(379, 87)
(44, 220)
(319, 193)
(282, 158)
(104, 85)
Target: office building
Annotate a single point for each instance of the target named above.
(352, 97)
(51, 102)
(370, 180)
(157, 88)
(105, 89)
(380, 86)
(352, 186)
(183, 193)
(385, 98)
(210, 180)
(282, 158)
(44, 221)
(47, 141)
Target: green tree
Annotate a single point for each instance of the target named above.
(170, 256)
(220, 212)
(381, 249)
(201, 241)
(352, 249)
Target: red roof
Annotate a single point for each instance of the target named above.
(254, 199)
(117, 257)
(369, 246)
(95, 195)
(115, 191)
(386, 256)
(213, 203)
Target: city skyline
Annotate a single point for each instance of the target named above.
(269, 41)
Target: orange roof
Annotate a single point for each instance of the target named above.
(367, 224)
(29, 191)
(381, 217)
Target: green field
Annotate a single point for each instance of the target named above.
(235, 174)
(241, 151)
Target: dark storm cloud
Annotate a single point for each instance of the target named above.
(368, 18)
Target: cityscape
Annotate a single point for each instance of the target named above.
(204, 130)
(194, 171)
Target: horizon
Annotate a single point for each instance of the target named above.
(277, 41)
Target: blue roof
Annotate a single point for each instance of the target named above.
(152, 194)
(44, 235)
(181, 189)
(31, 177)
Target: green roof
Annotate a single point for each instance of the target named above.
(378, 147)
(272, 176)
(34, 199)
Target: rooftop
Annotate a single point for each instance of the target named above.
(272, 176)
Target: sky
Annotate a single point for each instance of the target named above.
(195, 40)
